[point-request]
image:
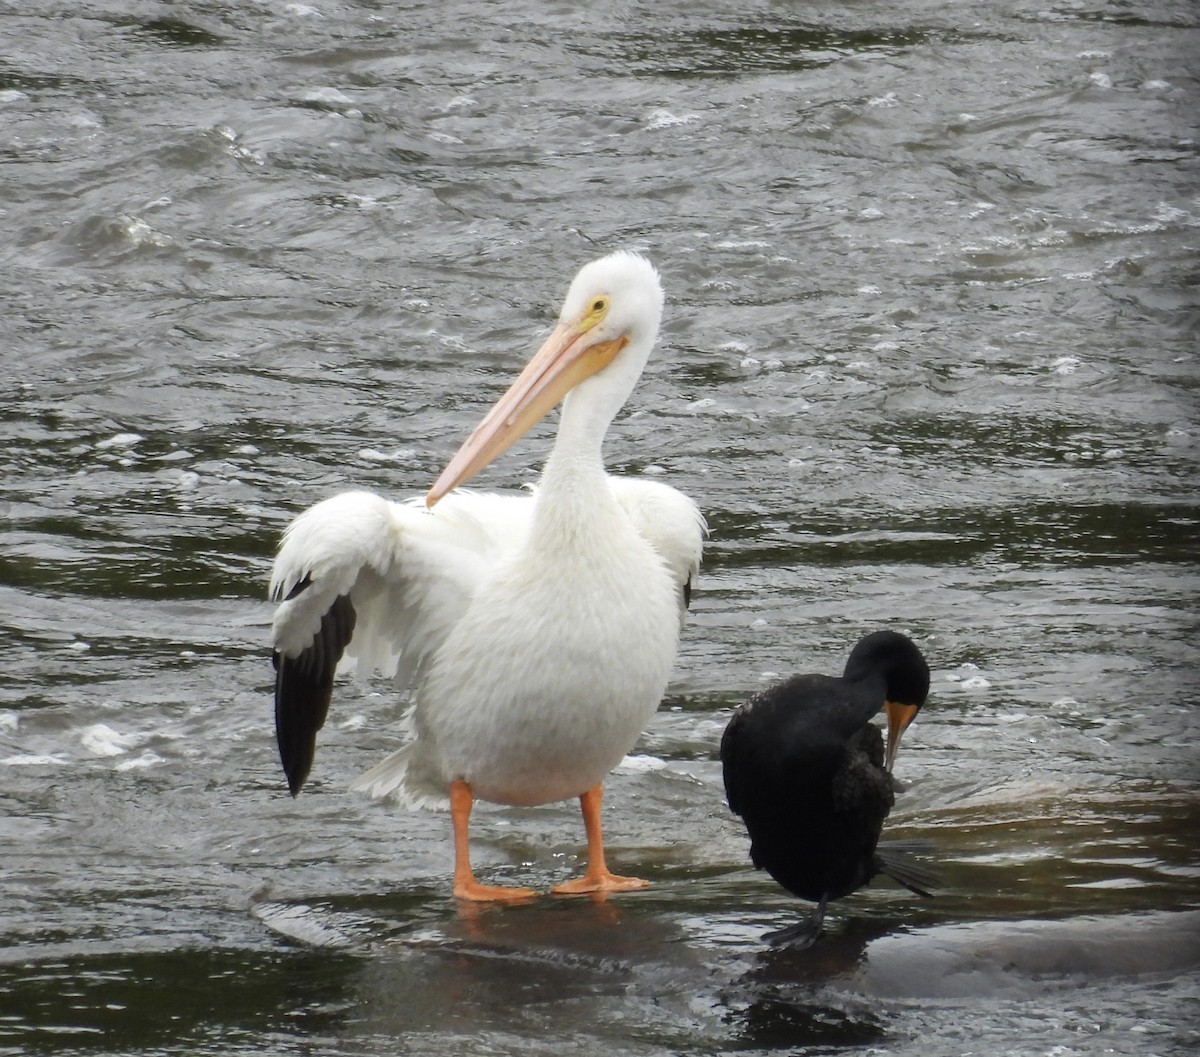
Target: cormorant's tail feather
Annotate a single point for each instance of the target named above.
(895, 859)
(910, 846)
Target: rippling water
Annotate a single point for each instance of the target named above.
(929, 362)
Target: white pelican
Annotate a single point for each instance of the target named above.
(537, 630)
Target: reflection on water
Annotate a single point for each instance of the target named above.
(644, 977)
(134, 1001)
(742, 50)
(928, 362)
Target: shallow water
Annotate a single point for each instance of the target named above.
(929, 362)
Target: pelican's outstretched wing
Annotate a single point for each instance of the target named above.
(368, 583)
(672, 524)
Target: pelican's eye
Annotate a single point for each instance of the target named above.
(595, 311)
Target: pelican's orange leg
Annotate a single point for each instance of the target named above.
(465, 885)
(596, 878)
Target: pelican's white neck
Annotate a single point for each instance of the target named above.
(588, 411)
(574, 502)
(575, 469)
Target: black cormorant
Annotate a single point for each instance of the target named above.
(808, 772)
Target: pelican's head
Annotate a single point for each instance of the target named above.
(618, 297)
(604, 335)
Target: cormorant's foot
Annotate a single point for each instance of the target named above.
(801, 935)
(602, 882)
(481, 893)
(798, 937)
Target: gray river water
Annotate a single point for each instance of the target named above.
(929, 362)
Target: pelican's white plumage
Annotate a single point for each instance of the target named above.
(538, 630)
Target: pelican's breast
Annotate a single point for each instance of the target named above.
(559, 663)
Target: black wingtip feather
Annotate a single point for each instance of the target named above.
(303, 689)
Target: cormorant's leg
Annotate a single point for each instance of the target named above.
(596, 878)
(465, 885)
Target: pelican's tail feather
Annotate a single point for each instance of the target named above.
(401, 778)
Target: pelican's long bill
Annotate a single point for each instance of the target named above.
(565, 359)
(899, 716)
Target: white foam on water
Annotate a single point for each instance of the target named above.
(375, 455)
(147, 758)
(325, 94)
(120, 440)
(33, 759)
(101, 740)
(662, 118)
(641, 765)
